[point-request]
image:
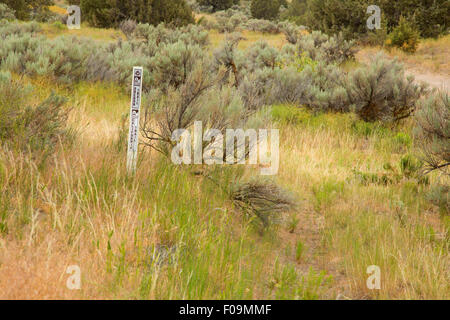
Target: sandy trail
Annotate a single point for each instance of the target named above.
(435, 80)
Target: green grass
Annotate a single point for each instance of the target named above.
(165, 234)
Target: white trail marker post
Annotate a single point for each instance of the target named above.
(133, 138)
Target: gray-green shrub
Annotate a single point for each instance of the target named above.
(404, 36)
(230, 59)
(174, 62)
(268, 86)
(160, 34)
(262, 25)
(6, 12)
(328, 89)
(199, 98)
(127, 27)
(381, 91)
(433, 131)
(71, 59)
(36, 128)
(331, 49)
(12, 28)
(290, 30)
(261, 55)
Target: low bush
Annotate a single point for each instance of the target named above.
(290, 86)
(232, 60)
(255, 88)
(302, 74)
(260, 55)
(39, 128)
(328, 88)
(381, 91)
(127, 27)
(404, 36)
(331, 49)
(290, 30)
(378, 92)
(262, 25)
(263, 74)
(190, 92)
(9, 29)
(230, 20)
(198, 99)
(268, 86)
(70, 59)
(173, 63)
(297, 61)
(433, 131)
(160, 34)
(6, 12)
(262, 199)
(407, 169)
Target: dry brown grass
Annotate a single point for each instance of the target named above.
(391, 226)
(58, 9)
(84, 211)
(431, 55)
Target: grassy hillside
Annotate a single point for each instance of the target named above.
(169, 233)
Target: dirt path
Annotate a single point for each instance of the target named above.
(437, 80)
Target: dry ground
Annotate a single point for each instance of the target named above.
(430, 63)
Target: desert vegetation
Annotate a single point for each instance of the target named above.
(364, 152)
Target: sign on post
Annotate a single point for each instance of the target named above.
(133, 137)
